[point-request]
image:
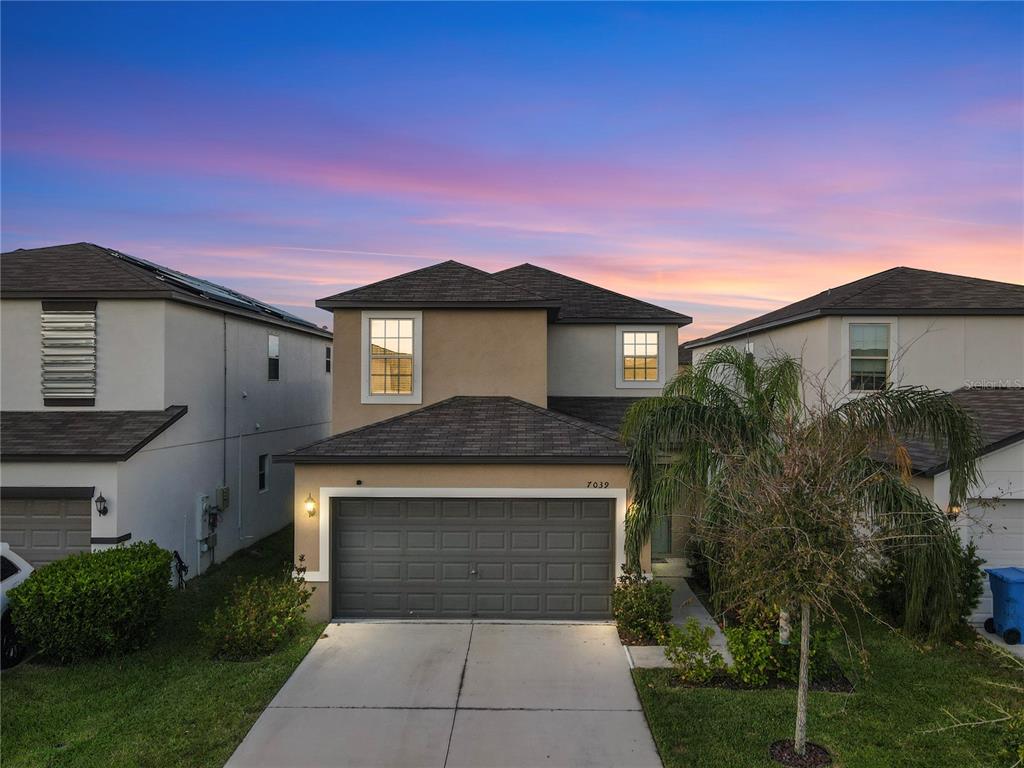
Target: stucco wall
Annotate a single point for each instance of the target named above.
(465, 352)
(583, 360)
(129, 355)
(310, 478)
(102, 476)
(235, 414)
(946, 352)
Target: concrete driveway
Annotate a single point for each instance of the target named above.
(456, 695)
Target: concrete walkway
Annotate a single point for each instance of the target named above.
(685, 605)
(456, 695)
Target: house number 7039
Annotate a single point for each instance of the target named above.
(597, 483)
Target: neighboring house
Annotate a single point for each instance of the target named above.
(685, 358)
(914, 327)
(994, 515)
(141, 403)
(477, 469)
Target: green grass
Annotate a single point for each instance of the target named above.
(881, 725)
(167, 705)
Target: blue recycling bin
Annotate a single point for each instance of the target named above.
(1007, 603)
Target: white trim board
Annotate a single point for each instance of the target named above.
(416, 398)
(326, 494)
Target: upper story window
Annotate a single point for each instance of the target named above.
(273, 358)
(392, 357)
(69, 353)
(640, 356)
(327, 359)
(869, 356)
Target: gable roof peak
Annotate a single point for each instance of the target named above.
(895, 291)
(444, 284)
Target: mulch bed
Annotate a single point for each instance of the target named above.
(815, 755)
(834, 682)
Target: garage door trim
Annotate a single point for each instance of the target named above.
(323, 573)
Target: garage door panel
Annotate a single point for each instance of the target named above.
(44, 530)
(490, 540)
(490, 572)
(997, 529)
(533, 558)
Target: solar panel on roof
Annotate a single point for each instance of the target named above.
(212, 290)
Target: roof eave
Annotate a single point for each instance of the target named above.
(1007, 441)
(676, 320)
(168, 295)
(175, 412)
(851, 312)
(580, 460)
(329, 303)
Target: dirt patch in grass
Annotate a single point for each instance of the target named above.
(814, 755)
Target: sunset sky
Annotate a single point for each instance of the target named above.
(719, 160)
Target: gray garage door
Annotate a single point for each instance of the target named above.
(44, 530)
(486, 558)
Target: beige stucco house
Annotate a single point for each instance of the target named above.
(476, 468)
(914, 327)
(141, 403)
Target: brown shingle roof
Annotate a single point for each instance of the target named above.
(80, 435)
(580, 302)
(447, 284)
(999, 415)
(88, 271)
(606, 411)
(475, 430)
(897, 291)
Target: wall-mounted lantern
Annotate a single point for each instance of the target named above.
(101, 505)
(310, 506)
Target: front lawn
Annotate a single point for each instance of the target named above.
(883, 723)
(168, 705)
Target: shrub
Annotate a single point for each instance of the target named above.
(689, 649)
(819, 660)
(258, 616)
(891, 590)
(1012, 747)
(93, 603)
(642, 608)
(751, 650)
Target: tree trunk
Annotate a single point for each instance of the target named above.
(800, 740)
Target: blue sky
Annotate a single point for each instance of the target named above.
(718, 159)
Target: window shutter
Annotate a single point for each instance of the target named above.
(69, 353)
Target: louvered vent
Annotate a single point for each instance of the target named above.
(69, 354)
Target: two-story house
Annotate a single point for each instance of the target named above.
(476, 468)
(142, 403)
(915, 327)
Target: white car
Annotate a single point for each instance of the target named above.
(13, 570)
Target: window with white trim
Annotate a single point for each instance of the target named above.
(391, 356)
(391, 345)
(640, 355)
(869, 356)
(327, 359)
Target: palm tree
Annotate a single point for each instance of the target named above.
(795, 503)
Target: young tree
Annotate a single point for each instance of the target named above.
(797, 504)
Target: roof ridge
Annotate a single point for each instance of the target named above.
(592, 285)
(870, 281)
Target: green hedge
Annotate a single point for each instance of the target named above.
(94, 603)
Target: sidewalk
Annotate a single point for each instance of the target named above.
(685, 605)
